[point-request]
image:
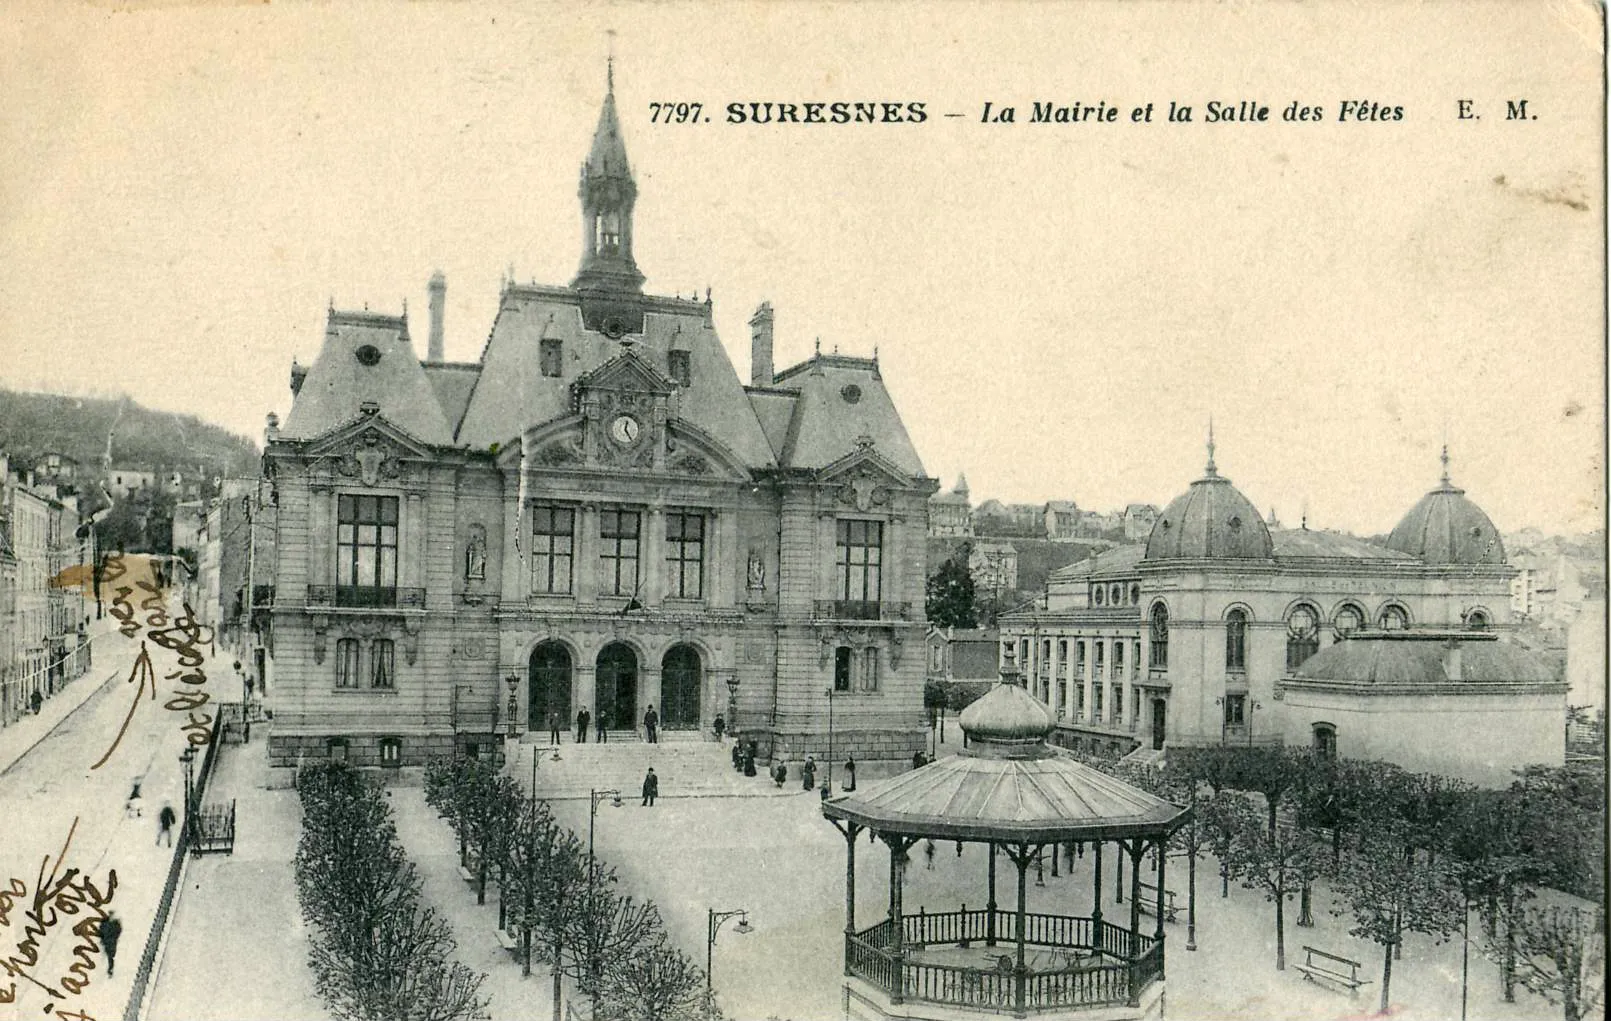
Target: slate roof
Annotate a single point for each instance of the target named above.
(827, 423)
(1406, 658)
(453, 382)
(1295, 543)
(1118, 560)
(338, 383)
(1446, 528)
(1211, 520)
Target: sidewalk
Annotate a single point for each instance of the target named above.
(111, 656)
(236, 947)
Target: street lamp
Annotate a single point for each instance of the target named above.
(594, 797)
(1251, 706)
(714, 922)
(732, 704)
(513, 680)
(188, 759)
(829, 780)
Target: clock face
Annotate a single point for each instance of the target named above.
(624, 430)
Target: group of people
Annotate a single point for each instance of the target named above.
(601, 725)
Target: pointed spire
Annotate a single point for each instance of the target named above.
(608, 194)
(1445, 459)
(1211, 470)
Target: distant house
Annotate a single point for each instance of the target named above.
(56, 467)
(964, 655)
(122, 481)
(951, 513)
(994, 567)
(1138, 521)
(1062, 519)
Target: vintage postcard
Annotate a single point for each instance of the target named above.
(999, 509)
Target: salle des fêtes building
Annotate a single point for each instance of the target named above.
(1223, 629)
(597, 514)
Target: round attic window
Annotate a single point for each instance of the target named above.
(369, 354)
(615, 327)
(850, 392)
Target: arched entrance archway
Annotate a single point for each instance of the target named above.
(1159, 711)
(680, 673)
(549, 687)
(616, 703)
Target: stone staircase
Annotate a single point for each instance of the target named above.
(688, 766)
(1144, 756)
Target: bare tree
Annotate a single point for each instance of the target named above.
(658, 983)
(1561, 956)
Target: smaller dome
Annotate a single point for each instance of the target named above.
(1210, 521)
(1388, 658)
(1007, 715)
(1446, 528)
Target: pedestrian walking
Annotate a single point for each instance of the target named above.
(165, 820)
(651, 787)
(35, 701)
(553, 727)
(601, 727)
(850, 774)
(749, 759)
(719, 725)
(651, 721)
(738, 758)
(959, 849)
(583, 718)
(928, 854)
(808, 774)
(780, 774)
(135, 806)
(111, 931)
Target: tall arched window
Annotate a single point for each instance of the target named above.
(1393, 618)
(1303, 635)
(1325, 741)
(1349, 619)
(1236, 641)
(1158, 638)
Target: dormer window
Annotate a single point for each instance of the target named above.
(681, 370)
(551, 357)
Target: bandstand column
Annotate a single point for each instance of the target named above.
(1021, 859)
(1163, 849)
(1135, 902)
(1096, 897)
(851, 831)
(990, 906)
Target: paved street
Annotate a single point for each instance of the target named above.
(52, 784)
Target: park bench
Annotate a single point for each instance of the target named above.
(510, 941)
(1146, 895)
(1331, 968)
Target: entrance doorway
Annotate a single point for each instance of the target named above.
(1157, 724)
(679, 688)
(549, 687)
(616, 704)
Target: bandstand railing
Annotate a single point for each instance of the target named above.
(1116, 977)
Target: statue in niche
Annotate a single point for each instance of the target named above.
(757, 573)
(475, 555)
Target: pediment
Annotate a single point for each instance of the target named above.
(864, 477)
(694, 452)
(359, 431)
(574, 442)
(626, 371)
(369, 451)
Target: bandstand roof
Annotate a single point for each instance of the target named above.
(1007, 785)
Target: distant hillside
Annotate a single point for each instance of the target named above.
(81, 427)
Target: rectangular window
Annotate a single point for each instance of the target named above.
(1118, 701)
(337, 747)
(681, 372)
(1235, 710)
(618, 556)
(553, 549)
(1096, 702)
(841, 668)
(551, 356)
(391, 752)
(1097, 649)
(366, 550)
(685, 555)
(381, 661)
(869, 676)
(347, 663)
(860, 568)
(1118, 659)
(1079, 658)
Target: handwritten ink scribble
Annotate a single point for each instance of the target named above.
(142, 671)
(69, 893)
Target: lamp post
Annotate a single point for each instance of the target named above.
(513, 680)
(594, 797)
(188, 758)
(714, 922)
(1251, 706)
(732, 704)
(829, 780)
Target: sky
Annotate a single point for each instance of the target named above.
(1058, 309)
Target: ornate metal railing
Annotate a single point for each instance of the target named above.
(1107, 973)
(366, 597)
(859, 609)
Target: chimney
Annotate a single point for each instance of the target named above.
(761, 345)
(438, 289)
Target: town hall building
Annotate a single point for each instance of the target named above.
(597, 514)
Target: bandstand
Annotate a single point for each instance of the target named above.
(1015, 793)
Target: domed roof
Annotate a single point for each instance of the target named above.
(1210, 521)
(1412, 658)
(1446, 528)
(1007, 715)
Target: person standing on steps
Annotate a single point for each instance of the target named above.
(582, 719)
(111, 929)
(601, 726)
(850, 774)
(165, 820)
(808, 774)
(651, 721)
(553, 727)
(651, 788)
